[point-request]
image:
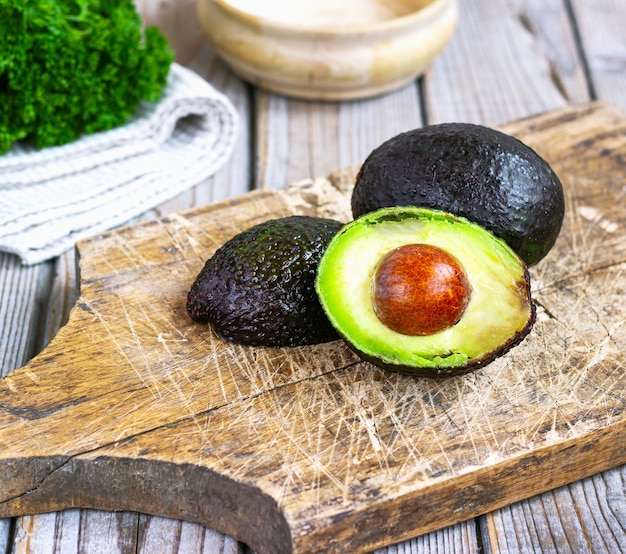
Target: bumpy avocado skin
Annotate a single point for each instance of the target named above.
(259, 287)
(473, 171)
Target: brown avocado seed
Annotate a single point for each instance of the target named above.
(419, 290)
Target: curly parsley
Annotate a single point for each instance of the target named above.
(73, 67)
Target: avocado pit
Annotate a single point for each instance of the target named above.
(419, 290)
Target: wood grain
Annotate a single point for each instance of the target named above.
(294, 449)
(508, 59)
(19, 310)
(583, 517)
(97, 532)
(601, 28)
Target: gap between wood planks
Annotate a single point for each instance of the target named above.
(580, 51)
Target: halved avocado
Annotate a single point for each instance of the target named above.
(497, 313)
(258, 288)
(479, 173)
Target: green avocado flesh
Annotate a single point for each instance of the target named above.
(499, 314)
(479, 173)
(259, 287)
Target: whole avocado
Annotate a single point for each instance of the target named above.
(472, 171)
(259, 287)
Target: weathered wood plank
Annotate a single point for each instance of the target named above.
(461, 538)
(299, 140)
(587, 516)
(5, 529)
(509, 59)
(165, 536)
(100, 532)
(602, 27)
(62, 295)
(72, 531)
(21, 293)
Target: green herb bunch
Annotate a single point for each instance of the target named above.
(73, 67)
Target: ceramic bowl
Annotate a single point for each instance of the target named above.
(328, 49)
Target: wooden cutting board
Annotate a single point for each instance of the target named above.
(133, 406)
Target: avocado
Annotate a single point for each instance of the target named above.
(469, 170)
(424, 292)
(259, 287)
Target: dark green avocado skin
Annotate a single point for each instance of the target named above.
(473, 171)
(259, 287)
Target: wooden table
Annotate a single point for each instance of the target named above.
(509, 59)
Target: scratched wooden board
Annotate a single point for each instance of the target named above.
(133, 406)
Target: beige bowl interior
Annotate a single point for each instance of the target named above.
(328, 49)
(332, 15)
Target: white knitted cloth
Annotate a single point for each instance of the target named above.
(53, 197)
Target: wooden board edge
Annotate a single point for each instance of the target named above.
(264, 526)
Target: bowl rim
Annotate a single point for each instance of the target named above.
(385, 25)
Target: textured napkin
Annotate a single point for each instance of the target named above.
(51, 198)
